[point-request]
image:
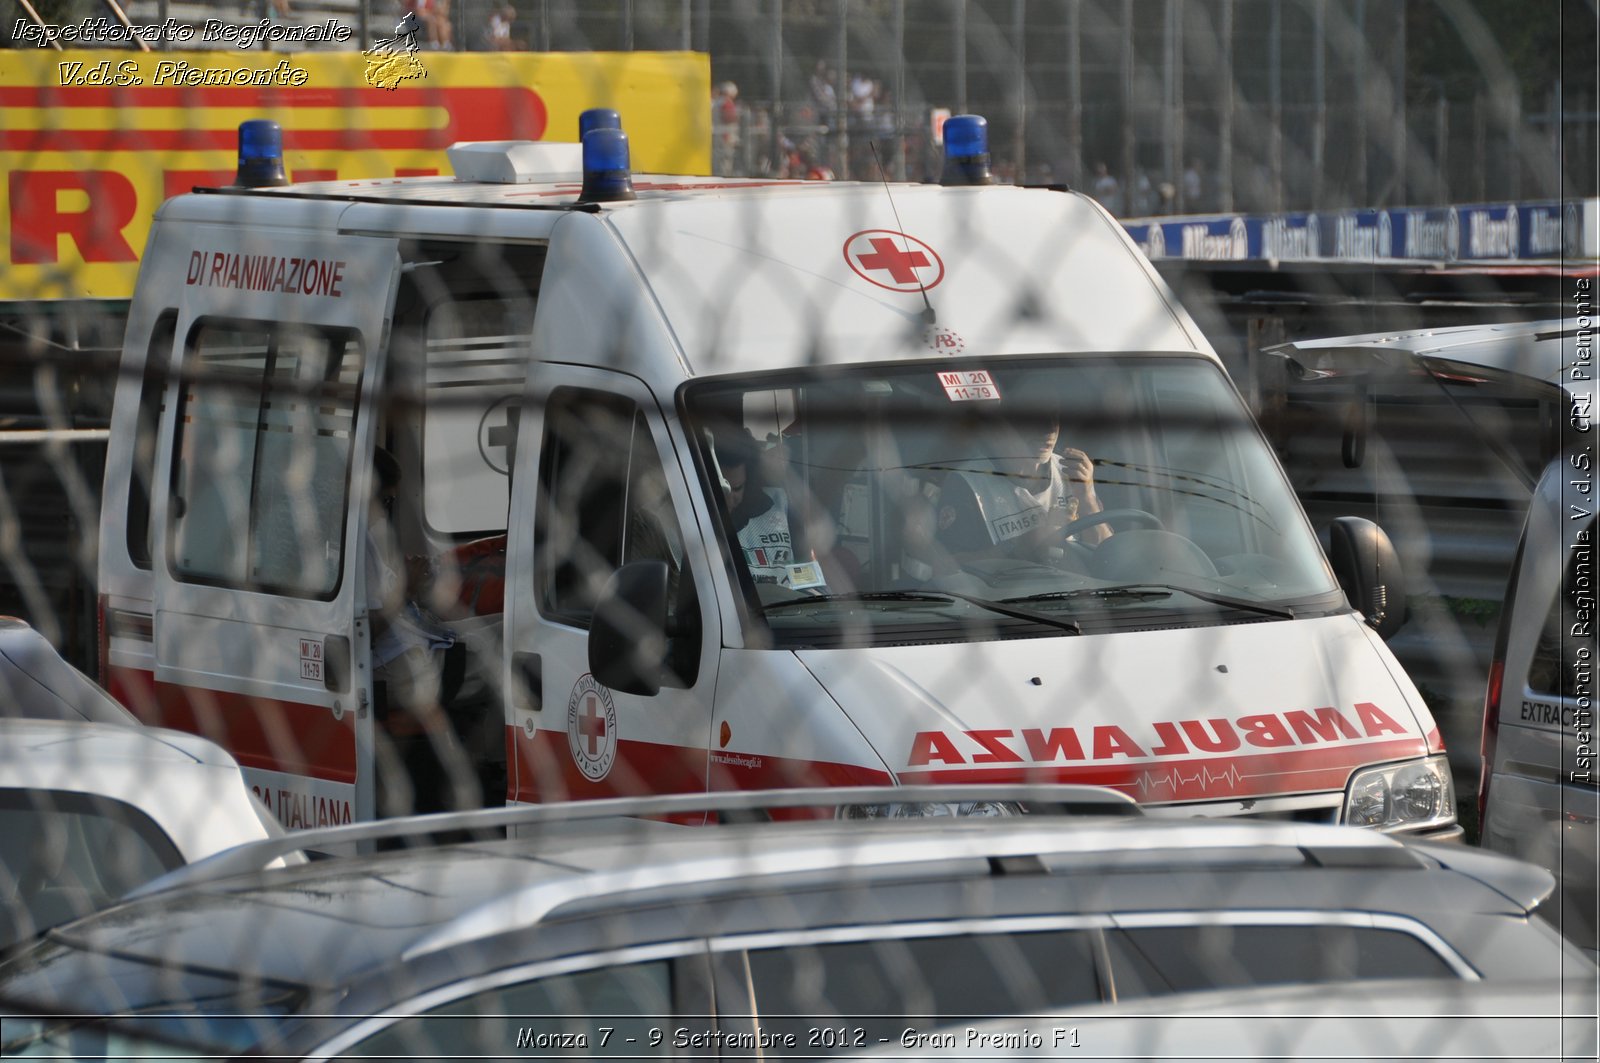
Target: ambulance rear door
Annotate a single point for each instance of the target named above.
(259, 640)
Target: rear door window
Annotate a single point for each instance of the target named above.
(262, 462)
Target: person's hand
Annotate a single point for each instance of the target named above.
(1078, 468)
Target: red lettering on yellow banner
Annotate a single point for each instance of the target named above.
(38, 220)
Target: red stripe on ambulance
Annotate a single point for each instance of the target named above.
(264, 733)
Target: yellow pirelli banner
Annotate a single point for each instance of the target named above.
(92, 142)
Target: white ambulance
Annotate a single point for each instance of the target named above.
(733, 484)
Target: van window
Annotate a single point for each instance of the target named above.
(603, 502)
(261, 465)
(152, 401)
(476, 351)
(1557, 656)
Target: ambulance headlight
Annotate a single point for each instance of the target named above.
(1407, 796)
(930, 809)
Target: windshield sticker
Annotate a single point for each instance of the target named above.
(893, 260)
(975, 385)
(592, 728)
(806, 576)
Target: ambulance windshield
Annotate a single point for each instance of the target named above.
(1011, 498)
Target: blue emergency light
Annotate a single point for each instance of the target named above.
(605, 167)
(260, 155)
(597, 118)
(966, 150)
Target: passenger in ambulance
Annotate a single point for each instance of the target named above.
(759, 507)
(1015, 499)
(409, 646)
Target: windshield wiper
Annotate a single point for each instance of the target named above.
(944, 597)
(1161, 590)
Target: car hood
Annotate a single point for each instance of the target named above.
(1233, 712)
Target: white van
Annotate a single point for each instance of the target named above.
(1537, 794)
(567, 368)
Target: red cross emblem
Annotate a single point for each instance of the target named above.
(893, 260)
(592, 728)
(592, 725)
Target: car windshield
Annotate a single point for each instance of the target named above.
(1016, 498)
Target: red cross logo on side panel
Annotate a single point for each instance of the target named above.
(893, 260)
(592, 725)
(592, 728)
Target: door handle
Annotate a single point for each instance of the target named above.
(336, 663)
(528, 670)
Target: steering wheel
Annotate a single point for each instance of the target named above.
(1139, 518)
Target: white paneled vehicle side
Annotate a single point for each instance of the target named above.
(1537, 794)
(1010, 519)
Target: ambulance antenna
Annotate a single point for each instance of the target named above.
(928, 316)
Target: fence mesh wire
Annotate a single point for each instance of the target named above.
(249, 471)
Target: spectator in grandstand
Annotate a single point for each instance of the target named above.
(497, 31)
(1106, 189)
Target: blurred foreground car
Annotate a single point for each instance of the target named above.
(89, 811)
(1432, 1019)
(795, 938)
(37, 683)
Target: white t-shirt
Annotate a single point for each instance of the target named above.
(768, 549)
(1011, 508)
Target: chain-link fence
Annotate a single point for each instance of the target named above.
(416, 492)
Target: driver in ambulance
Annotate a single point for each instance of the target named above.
(1016, 500)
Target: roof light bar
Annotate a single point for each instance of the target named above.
(966, 150)
(606, 176)
(260, 155)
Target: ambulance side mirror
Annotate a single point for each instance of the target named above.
(628, 635)
(1367, 567)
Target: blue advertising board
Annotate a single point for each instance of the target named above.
(1538, 231)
